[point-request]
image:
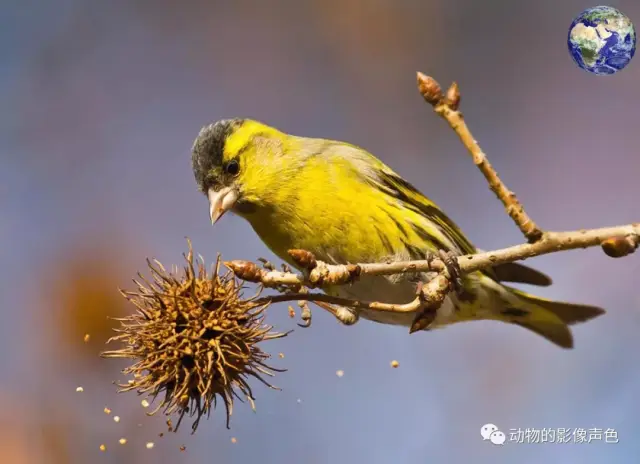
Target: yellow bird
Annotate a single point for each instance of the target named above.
(344, 205)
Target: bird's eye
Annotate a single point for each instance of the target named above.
(232, 167)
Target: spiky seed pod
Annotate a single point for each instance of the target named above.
(195, 339)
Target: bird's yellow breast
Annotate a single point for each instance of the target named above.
(326, 210)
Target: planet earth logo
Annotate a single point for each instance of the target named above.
(602, 40)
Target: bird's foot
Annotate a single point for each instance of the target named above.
(425, 317)
(450, 260)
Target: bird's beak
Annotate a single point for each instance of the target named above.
(221, 201)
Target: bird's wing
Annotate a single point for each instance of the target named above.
(519, 273)
(411, 198)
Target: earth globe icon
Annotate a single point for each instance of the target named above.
(602, 40)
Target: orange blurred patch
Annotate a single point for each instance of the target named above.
(19, 444)
(85, 294)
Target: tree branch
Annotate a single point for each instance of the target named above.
(616, 242)
(625, 240)
(447, 108)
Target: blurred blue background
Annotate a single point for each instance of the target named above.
(101, 103)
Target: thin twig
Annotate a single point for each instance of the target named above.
(336, 300)
(447, 107)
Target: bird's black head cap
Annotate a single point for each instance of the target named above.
(208, 148)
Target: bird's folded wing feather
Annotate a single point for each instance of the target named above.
(411, 198)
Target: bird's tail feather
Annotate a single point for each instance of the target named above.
(550, 319)
(569, 313)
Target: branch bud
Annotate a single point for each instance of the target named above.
(423, 320)
(452, 99)
(618, 247)
(429, 89)
(303, 258)
(245, 270)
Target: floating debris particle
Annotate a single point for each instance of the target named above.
(340, 373)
